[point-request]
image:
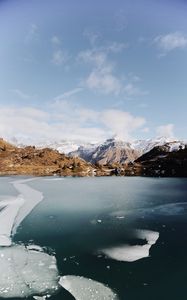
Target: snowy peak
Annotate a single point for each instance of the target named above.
(113, 150)
(144, 146)
(63, 146)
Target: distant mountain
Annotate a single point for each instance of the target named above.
(111, 151)
(116, 151)
(63, 146)
(144, 146)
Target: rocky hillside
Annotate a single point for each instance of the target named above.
(160, 162)
(39, 162)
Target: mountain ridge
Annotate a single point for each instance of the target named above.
(111, 151)
(117, 151)
(169, 160)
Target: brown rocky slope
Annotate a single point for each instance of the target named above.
(40, 162)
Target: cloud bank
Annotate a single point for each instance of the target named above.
(66, 120)
(165, 130)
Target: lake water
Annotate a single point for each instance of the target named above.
(127, 233)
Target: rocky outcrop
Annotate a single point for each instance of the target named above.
(39, 162)
(160, 162)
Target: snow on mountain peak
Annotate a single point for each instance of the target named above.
(77, 146)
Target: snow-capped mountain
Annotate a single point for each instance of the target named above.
(110, 151)
(118, 151)
(144, 146)
(63, 146)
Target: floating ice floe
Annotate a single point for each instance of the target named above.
(83, 288)
(130, 253)
(26, 271)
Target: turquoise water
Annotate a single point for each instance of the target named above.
(80, 216)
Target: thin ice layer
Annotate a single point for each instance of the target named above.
(83, 288)
(27, 272)
(9, 209)
(13, 210)
(31, 196)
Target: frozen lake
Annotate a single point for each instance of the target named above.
(93, 238)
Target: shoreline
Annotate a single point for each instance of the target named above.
(30, 176)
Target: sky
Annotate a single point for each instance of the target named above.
(89, 70)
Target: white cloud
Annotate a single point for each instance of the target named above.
(102, 77)
(66, 120)
(92, 56)
(20, 94)
(92, 37)
(121, 21)
(122, 123)
(32, 34)
(143, 105)
(23, 121)
(95, 38)
(68, 94)
(55, 40)
(171, 41)
(115, 47)
(165, 130)
(59, 57)
(145, 130)
(103, 81)
(131, 90)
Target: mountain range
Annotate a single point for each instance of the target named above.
(158, 157)
(111, 151)
(117, 151)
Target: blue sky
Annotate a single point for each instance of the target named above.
(92, 69)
